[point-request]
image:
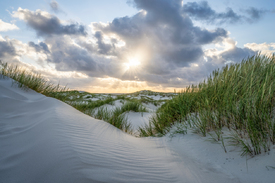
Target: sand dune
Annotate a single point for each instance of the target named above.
(45, 140)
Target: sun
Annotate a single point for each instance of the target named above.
(132, 63)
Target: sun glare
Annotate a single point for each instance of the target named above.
(132, 63)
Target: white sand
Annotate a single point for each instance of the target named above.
(151, 107)
(45, 140)
(138, 119)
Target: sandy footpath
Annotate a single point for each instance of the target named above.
(45, 140)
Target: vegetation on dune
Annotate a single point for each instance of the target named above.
(133, 106)
(88, 106)
(152, 93)
(239, 97)
(117, 117)
(27, 79)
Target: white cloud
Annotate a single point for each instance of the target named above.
(24, 14)
(4, 26)
(264, 48)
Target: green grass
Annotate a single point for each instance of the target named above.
(132, 106)
(152, 93)
(89, 105)
(26, 79)
(96, 110)
(240, 97)
(117, 117)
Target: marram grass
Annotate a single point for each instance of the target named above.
(239, 97)
(117, 117)
(28, 79)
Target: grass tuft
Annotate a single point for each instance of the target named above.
(26, 79)
(240, 97)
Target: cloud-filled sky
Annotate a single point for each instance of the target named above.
(129, 45)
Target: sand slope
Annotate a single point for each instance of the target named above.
(45, 140)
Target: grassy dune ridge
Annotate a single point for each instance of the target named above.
(83, 101)
(239, 97)
(27, 79)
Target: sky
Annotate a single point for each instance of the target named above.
(125, 46)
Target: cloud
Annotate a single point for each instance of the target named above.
(4, 26)
(206, 37)
(237, 54)
(67, 55)
(263, 48)
(229, 53)
(163, 39)
(46, 24)
(103, 48)
(170, 49)
(54, 6)
(15, 51)
(254, 14)
(163, 31)
(41, 47)
(6, 49)
(202, 11)
(9, 51)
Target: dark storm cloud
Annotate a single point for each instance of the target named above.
(202, 11)
(41, 47)
(6, 49)
(54, 6)
(47, 25)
